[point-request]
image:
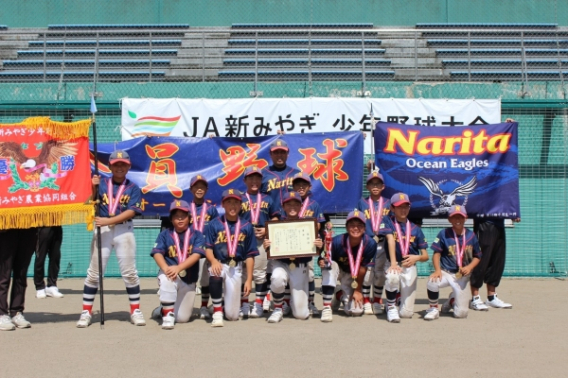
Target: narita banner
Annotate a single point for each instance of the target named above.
(474, 166)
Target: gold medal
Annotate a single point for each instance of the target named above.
(232, 263)
(111, 214)
(182, 273)
(354, 284)
(376, 238)
(459, 275)
(292, 266)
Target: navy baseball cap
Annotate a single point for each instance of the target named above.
(291, 196)
(374, 175)
(254, 170)
(457, 209)
(399, 198)
(231, 193)
(119, 156)
(302, 176)
(195, 179)
(179, 205)
(356, 214)
(279, 144)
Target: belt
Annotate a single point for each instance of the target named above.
(447, 271)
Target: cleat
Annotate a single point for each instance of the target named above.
(84, 319)
(217, 319)
(257, 311)
(285, 309)
(432, 314)
(137, 318)
(326, 314)
(368, 308)
(276, 316)
(245, 310)
(313, 309)
(477, 304)
(204, 313)
(392, 315)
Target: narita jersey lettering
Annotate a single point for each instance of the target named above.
(165, 245)
(130, 199)
(313, 210)
(268, 209)
(386, 226)
(339, 252)
(277, 182)
(445, 244)
(417, 239)
(216, 239)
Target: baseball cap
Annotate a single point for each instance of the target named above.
(457, 209)
(231, 193)
(375, 174)
(356, 214)
(399, 198)
(253, 170)
(179, 205)
(291, 196)
(119, 156)
(195, 179)
(302, 176)
(279, 144)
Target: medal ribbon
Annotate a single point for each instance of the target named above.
(376, 219)
(304, 207)
(198, 225)
(182, 254)
(232, 244)
(112, 203)
(459, 252)
(404, 245)
(354, 266)
(254, 211)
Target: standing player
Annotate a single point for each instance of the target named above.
(49, 244)
(257, 208)
(301, 183)
(352, 254)
(379, 227)
(177, 252)
(229, 244)
(456, 254)
(277, 178)
(120, 202)
(410, 248)
(291, 273)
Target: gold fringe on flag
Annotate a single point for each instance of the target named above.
(57, 130)
(45, 216)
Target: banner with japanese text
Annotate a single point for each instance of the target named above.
(475, 166)
(163, 166)
(44, 173)
(266, 116)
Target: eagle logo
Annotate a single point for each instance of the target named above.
(447, 200)
(42, 170)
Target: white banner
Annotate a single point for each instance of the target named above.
(267, 116)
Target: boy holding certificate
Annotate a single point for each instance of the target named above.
(290, 271)
(352, 254)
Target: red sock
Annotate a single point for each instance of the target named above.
(166, 310)
(258, 300)
(134, 307)
(268, 296)
(366, 300)
(218, 309)
(378, 300)
(88, 308)
(287, 301)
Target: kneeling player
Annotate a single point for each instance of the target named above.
(230, 244)
(410, 249)
(291, 271)
(179, 265)
(456, 253)
(351, 254)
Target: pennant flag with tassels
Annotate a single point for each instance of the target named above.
(45, 174)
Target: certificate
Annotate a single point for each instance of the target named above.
(291, 238)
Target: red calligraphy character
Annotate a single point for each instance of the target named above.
(163, 170)
(236, 159)
(332, 167)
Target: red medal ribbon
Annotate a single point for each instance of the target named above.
(354, 266)
(112, 203)
(376, 219)
(304, 207)
(198, 225)
(459, 252)
(404, 245)
(254, 209)
(232, 244)
(182, 254)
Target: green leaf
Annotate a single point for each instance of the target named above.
(38, 146)
(132, 114)
(24, 146)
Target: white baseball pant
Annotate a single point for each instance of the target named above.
(298, 280)
(260, 265)
(405, 283)
(232, 279)
(180, 293)
(330, 277)
(376, 277)
(460, 289)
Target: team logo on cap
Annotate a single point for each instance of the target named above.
(458, 208)
(199, 177)
(401, 196)
(375, 174)
(178, 203)
(119, 155)
(231, 191)
(447, 200)
(278, 143)
(292, 194)
(356, 213)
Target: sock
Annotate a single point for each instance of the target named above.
(490, 297)
(88, 298)
(366, 290)
(377, 294)
(311, 291)
(278, 299)
(433, 298)
(216, 289)
(204, 296)
(134, 297)
(261, 291)
(327, 293)
(391, 298)
(167, 308)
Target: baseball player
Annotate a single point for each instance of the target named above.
(120, 202)
(177, 252)
(379, 227)
(456, 254)
(352, 254)
(292, 273)
(410, 248)
(229, 244)
(302, 184)
(257, 208)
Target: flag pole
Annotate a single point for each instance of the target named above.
(97, 212)
(372, 166)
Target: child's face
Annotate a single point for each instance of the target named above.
(302, 187)
(199, 189)
(180, 220)
(457, 220)
(401, 211)
(232, 207)
(292, 208)
(119, 169)
(375, 187)
(253, 183)
(355, 228)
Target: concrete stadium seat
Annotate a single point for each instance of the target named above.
(101, 52)
(498, 25)
(118, 42)
(304, 51)
(304, 41)
(84, 62)
(302, 25)
(116, 26)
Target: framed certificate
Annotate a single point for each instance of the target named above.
(291, 238)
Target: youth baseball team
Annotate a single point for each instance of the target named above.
(226, 253)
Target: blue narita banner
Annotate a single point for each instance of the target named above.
(163, 166)
(475, 166)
